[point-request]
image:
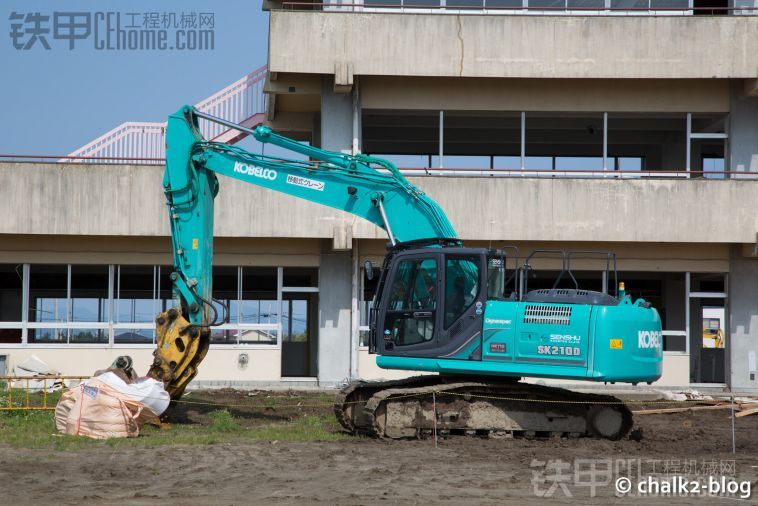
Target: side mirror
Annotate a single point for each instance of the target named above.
(368, 268)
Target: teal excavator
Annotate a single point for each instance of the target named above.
(439, 307)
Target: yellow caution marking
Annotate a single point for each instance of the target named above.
(617, 344)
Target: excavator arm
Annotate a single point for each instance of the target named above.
(350, 183)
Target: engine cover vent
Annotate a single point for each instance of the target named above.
(555, 315)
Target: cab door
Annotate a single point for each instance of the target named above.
(433, 306)
(408, 325)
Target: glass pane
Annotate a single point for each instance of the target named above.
(165, 287)
(408, 330)
(48, 292)
(421, 277)
(430, 3)
(707, 282)
(257, 336)
(11, 286)
(88, 336)
(413, 289)
(363, 338)
(223, 336)
(425, 285)
(258, 304)
(503, 3)
(89, 293)
(48, 335)
(134, 294)
(586, 4)
(399, 294)
(670, 4)
(461, 286)
(452, 4)
(225, 284)
(133, 336)
(259, 311)
(629, 4)
(295, 321)
(300, 276)
(551, 4)
(495, 277)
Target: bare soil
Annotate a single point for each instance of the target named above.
(461, 470)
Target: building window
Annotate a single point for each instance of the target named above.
(89, 302)
(225, 303)
(11, 302)
(258, 313)
(79, 304)
(136, 303)
(549, 144)
(48, 304)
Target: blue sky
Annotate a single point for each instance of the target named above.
(59, 99)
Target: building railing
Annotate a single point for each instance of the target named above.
(535, 7)
(143, 142)
(442, 172)
(34, 393)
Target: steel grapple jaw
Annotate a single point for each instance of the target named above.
(181, 346)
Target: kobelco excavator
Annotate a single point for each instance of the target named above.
(439, 307)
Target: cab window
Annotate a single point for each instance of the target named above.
(413, 302)
(461, 286)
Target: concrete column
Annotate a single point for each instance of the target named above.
(336, 118)
(743, 131)
(338, 128)
(335, 298)
(742, 342)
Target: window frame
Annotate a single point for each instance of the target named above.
(111, 326)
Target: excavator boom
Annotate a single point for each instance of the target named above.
(349, 183)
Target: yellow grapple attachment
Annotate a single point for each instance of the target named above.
(180, 348)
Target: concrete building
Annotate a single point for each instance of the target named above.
(621, 129)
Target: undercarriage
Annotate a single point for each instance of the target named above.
(420, 406)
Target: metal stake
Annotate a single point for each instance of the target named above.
(434, 408)
(734, 442)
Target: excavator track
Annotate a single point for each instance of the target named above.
(406, 409)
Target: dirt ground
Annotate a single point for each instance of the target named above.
(461, 470)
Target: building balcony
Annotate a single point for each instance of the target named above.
(127, 200)
(352, 41)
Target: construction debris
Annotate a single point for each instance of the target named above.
(681, 410)
(111, 404)
(747, 412)
(35, 366)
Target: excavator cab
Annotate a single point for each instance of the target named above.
(432, 301)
